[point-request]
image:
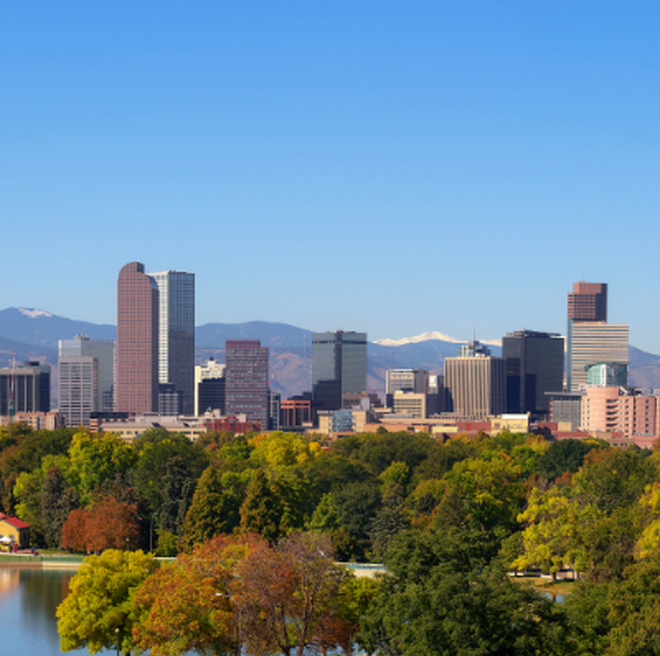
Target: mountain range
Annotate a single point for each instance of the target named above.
(33, 334)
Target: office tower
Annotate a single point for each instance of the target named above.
(475, 382)
(339, 366)
(534, 365)
(590, 339)
(210, 387)
(24, 389)
(246, 380)
(86, 372)
(176, 341)
(137, 340)
(591, 343)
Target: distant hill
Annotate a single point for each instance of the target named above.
(33, 334)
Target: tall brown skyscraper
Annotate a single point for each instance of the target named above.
(137, 340)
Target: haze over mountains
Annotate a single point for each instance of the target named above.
(32, 334)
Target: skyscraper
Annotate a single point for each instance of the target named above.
(176, 336)
(137, 340)
(246, 380)
(339, 366)
(475, 382)
(590, 339)
(86, 372)
(534, 364)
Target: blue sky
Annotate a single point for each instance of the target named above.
(386, 167)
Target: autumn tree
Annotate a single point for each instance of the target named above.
(289, 597)
(98, 611)
(187, 605)
(109, 524)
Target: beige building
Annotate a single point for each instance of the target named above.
(408, 403)
(475, 382)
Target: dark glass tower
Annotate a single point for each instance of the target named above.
(339, 366)
(534, 365)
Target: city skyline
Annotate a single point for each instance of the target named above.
(510, 148)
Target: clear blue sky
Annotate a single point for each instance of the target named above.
(388, 167)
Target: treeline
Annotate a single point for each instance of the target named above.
(448, 519)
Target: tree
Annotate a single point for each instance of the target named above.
(261, 510)
(444, 595)
(187, 606)
(98, 459)
(109, 524)
(553, 536)
(58, 499)
(215, 506)
(289, 597)
(98, 612)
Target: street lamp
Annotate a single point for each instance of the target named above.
(117, 632)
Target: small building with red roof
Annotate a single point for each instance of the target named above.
(15, 530)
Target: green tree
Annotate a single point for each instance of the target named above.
(261, 510)
(444, 595)
(215, 506)
(97, 460)
(98, 612)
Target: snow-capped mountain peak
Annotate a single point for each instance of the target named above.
(34, 313)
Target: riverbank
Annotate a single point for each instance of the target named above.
(40, 561)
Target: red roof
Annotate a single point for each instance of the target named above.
(13, 521)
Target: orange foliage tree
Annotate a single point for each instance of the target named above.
(109, 524)
(289, 597)
(188, 605)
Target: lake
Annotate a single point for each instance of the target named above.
(28, 599)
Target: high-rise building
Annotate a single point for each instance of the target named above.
(210, 387)
(86, 371)
(475, 382)
(25, 388)
(137, 340)
(176, 338)
(246, 380)
(590, 339)
(534, 365)
(339, 366)
(593, 342)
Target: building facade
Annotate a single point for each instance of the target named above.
(339, 366)
(25, 388)
(246, 380)
(593, 342)
(210, 387)
(534, 365)
(86, 372)
(137, 340)
(475, 382)
(176, 337)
